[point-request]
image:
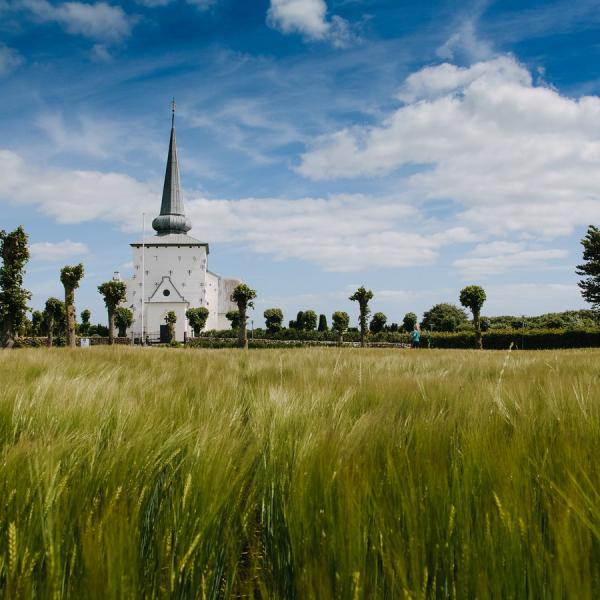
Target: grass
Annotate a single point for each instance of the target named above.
(317, 473)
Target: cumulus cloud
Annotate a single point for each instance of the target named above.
(98, 21)
(10, 60)
(338, 233)
(57, 251)
(309, 18)
(518, 157)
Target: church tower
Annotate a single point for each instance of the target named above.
(170, 269)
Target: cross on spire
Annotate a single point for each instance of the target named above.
(173, 107)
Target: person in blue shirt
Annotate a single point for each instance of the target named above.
(415, 337)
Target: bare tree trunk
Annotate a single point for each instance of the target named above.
(50, 332)
(363, 325)
(8, 335)
(111, 326)
(70, 316)
(478, 336)
(242, 334)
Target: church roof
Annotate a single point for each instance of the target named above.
(172, 219)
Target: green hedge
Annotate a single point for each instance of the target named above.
(494, 339)
(528, 339)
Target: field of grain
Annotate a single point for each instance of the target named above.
(309, 474)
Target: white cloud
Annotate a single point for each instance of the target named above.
(99, 21)
(338, 233)
(516, 156)
(309, 18)
(10, 60)
(499, 262)
(464, 42)
(57, 251)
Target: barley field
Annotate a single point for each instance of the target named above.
(304, 474)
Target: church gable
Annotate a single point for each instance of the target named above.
(166, 292)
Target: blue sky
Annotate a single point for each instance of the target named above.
(413, 147)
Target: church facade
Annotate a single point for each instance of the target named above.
(170, 269)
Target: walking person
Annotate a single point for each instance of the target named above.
(415, 337)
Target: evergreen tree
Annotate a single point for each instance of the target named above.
(590, 269)
(363, 297)
(323, 323)
(14, 251)
(197, 318)
(473, 297)
(70, 276)
(84, 328)
(243, 296)
(114, 293)
(299, 323)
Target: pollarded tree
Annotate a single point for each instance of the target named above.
(197, 318)
(409, 321)
(123, 320)
(170, 320)
(309, 320)
(378, 322)
(323, 323)
(243, 296)
(339, 323)
(363, 297)
(590, 286)
(473, 297)
(114, 293)
(233, 316)
(70, 276)
(273, 319)
(84, 328)
(14, 250)
(55, 312)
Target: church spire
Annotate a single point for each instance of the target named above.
(172, 217)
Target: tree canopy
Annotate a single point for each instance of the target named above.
(444, 317)
(590, 268)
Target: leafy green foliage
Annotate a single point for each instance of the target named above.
(14, 251)
(309, 320)
(244, 297)
(473, 297)
(55, 318)
(84, 327)
(590, 268)
(123, 320)
(378, 322)
(339, 322)
(114, 292)
(273, 319)
(233, 316)
(444, 317)
(197, 318)
(363, 297)
(70, 276)
(409, 321)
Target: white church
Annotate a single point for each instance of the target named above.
(170, 270)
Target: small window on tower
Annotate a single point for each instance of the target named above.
(189, 272)
(147, 272)
(166, 292)
(179, 258)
